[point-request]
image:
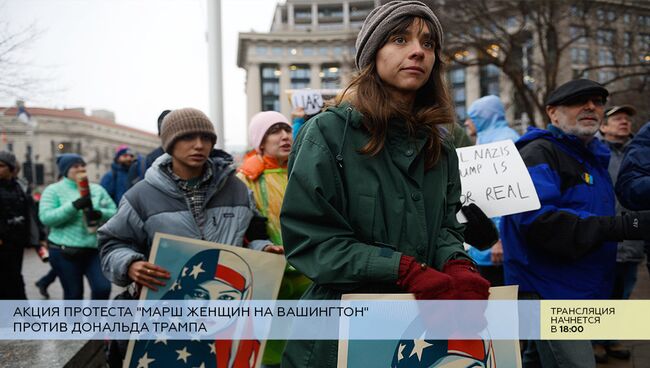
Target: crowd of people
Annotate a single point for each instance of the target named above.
(360, 198)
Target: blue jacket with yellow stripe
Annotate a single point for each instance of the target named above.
(560, 251)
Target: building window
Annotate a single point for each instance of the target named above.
(302, 15)
(10, 146)
(643, 41)
(489, 78)
(261, 50)
(323, 51)
(605, 76)
(608, 15)
(627, 39)
(604, 37)
(626, 18)
(577, 11)
(277, 51)
(579, 55)
(338, 50)
(627, 58)
(330, 13)
(605, 57)
(270, 87)
(308, 51)
(579, 34)
(457, 79)
(330, 76)
(299, 75)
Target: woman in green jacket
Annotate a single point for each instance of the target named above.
(73, 247)
(374, 187)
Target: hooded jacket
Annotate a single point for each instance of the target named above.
(156, 204)
(633, 184)
(347, 217)
(559, 251)
(116, 181)
(489, 117)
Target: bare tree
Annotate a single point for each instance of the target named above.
(16, 78)
(534, 44)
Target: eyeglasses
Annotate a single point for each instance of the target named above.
(583, 100)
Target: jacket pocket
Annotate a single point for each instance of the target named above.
(363, 216)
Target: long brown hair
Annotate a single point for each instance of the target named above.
(369, 94)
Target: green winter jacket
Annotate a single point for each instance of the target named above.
(66, 222)
(348, 217)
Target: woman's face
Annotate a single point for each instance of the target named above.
(406, 60)
(277, 142)
(74, 170)
(214, 290)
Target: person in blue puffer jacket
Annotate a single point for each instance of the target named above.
(487, 117)
(116, 180)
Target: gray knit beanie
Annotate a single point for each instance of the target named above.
(183, 122)
(382, 20)
(8, 158)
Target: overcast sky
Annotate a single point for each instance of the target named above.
(135, 57)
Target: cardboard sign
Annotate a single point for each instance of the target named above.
(232, 273)
(495, 178)
(309, 99)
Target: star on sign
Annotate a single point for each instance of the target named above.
(183, 354)
(184, 272)
(418, 347)
(400, 352)
(144, 361)
(161, 339)
(196, 270)
(201, 366)
(175, 286)
(213, 348)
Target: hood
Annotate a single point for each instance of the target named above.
(488, 113)
(221, 163)
(568, 143)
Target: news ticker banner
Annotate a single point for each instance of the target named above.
(307, 320)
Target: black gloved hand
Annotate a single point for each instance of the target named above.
(82, 202)
(633, 225)
(94, 215)
(480, 231)
(257, 229)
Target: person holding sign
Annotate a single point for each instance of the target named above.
(189, 191)
(72, 244)
(567, 248)
(488, 116)
(374, 185)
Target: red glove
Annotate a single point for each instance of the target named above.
(424, 282)
(468, 284)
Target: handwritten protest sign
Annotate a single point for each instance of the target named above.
(309, 99)
(495, 178)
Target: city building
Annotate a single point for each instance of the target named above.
(37, 135)
(311, 45)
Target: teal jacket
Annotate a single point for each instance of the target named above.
(347, 217)
(66, 222)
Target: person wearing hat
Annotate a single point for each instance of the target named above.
(73, 248)
(567, 248)
(18, 229)
(116, 180)
(616, 133)
(265, 173)
(186, 192)
(374, 186)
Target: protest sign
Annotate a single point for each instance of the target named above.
(495, 178)
(309, 99)
(204, 270)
